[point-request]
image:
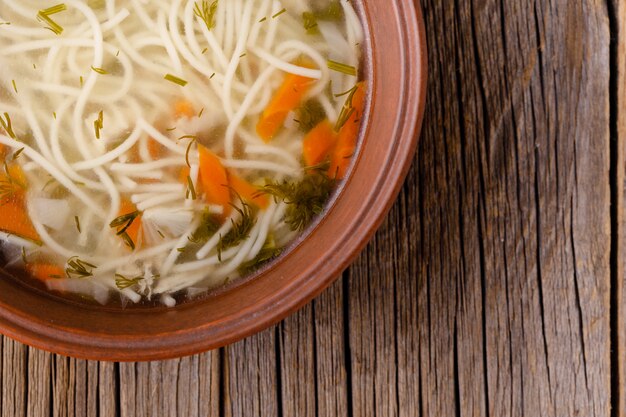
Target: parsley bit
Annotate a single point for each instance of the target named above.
(205, 11)
(122, 283)
(99, 70)
(279, 13)
(77, 268)
(176, 80)
(343, 68)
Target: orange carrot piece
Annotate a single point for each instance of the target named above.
(13, 214)
(134, 230)
(318, 143)
(347, 137)
(214, 179)
(45, 272)
(287, 98)
(183, 108)
(155, 149)
(247, 191)
(14, 219)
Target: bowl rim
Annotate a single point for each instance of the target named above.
(311, 281)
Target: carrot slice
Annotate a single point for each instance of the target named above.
(347, 137)
(155, 149)
(45, 272)
(287, 98)
(14, 219)
(134, 230)
(318, 143)
(214, 179)
(183, 108)
(13, 214)
(247, 191)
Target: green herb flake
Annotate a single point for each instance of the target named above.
(305, 198)
(98, 124)
(44, 16)
(122, 282)
(7, 126)
(343, 68)
(205, 11)
(77, 268)
(309, 21)
(14, 86)
(17, 154)
(100, 71)
(77, 222)
(176, 80)
(191, 190)
(268, 252)
(240, 230)
(279, 13)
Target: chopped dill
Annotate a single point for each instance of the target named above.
(242, 55)
(176, 80)
(191, 190)
(211, 77)
(209, 225)
(17, 154)
(279, 13)
(161, 234)
(204, 51)
(206, 12)
(127, 240)
(348, 109)
(343, 68)
(263, 19)
(14, 86)
(122, 282)
(98, 124)
(122, 223)
(100, 71)
(240, 230)
(82, 80)
(77, 268)
(54, 115)
(310, 115)
(9, 186)
(171, 129)
(24, 255)
(5, 23)
(305, 198)
(191, 142)
(268, 252)
(77, 221)
(201, 113)
(6, 125)
(309, 20)
(44, 16)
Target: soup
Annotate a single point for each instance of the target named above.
(159, 148)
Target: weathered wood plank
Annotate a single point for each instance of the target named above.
(617, 15)
(186, 387)
(250, 377)
(523, 93)
(39, 395)
(14, 384)
(330, 349)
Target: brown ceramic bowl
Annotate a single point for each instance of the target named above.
(396, 73)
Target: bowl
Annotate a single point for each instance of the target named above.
(395, 69)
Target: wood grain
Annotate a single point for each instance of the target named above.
(494, 288)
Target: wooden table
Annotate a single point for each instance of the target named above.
(495, 288)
